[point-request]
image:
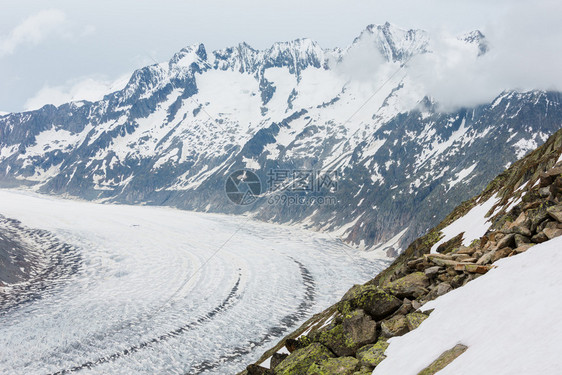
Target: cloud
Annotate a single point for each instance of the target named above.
(89, 89)
(524, 55)
(32, 30)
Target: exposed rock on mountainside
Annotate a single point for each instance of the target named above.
(178, 129)
(523, 209)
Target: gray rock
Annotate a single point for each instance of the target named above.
(432, 271)
(443, 288)
(555, 212)
(411, 286)
(395, 326)
(507, 241)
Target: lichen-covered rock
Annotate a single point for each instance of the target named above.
(258, 370)
(372, 355)
(298, 362)
(276, 359)
(395, 326)
(443, 360)
(415, 319)
(373, 300)
(363, 371)
(555, 212)
(409, 286)
(335, 366)
(356, 330)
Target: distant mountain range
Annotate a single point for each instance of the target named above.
(178, 129)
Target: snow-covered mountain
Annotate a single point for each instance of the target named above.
(178, 129)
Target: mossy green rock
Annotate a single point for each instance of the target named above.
(395, 326)
(415, 319)
(410, 286)
(356, 330)
(335, 366)
(363, 371)
(372, 299)
(373, 354)
(444, 359)
(298, 362)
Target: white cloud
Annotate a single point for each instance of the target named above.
(32, 30)
(524, 55)
(90, 89)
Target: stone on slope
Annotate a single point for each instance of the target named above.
(335, 366)
(356, 330)
(395, 326)
(444, 359)
(258, 370)
(300, 360)
(415, 319)
(372, 355)
(276, 359)
(373, 300)
(412, 285)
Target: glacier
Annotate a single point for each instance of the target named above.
(161, 290)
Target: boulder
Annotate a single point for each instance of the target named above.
(501, 253)
(432, 271)
(523, 248)
(486, 258)
(444, 359)
(458, 280)
(449, 246)
(395, 326)
(410, 286)
(258, 370)
(292, 344)
(415, 319)
(552, 232)
(539, 237)
(507, 241)
(276, 359)
(373, 300)
(335, 366)
(544, 192)
(443, 288)
(466, 250)
(521, 240)
(372, 355)
(363, 371)
(300, 360)
(356, 330)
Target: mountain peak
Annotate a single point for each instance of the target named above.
(394, 43)
(477, 38)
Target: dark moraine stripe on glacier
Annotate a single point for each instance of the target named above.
(226, 303)
(286, 323)
(35, 261)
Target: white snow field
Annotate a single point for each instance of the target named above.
(137, 304)
(508, 318)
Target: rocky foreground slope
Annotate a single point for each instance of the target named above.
(520, 208)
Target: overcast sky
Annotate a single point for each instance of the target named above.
(61, 49)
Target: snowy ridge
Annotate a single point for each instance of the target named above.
(178, 128)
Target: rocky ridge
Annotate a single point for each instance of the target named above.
(351, 336)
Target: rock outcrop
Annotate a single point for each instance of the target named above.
(351, 336)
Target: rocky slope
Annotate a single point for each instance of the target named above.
(175, 132)
(520, 208)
